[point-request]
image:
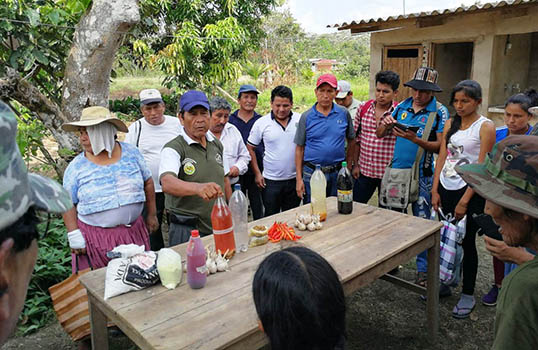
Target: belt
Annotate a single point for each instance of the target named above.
(325, 169)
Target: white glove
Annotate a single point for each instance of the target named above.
(76, 240)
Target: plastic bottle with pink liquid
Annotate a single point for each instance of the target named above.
(196, 257)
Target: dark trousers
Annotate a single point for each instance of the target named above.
(156, 241)
(449, 200)
(279, 196)
(253, 192)
(364, 188)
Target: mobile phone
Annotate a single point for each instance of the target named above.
(406, 127)
(487, 226)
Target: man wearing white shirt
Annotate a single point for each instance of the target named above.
(235, 151)
(277, 131)
(149, 134)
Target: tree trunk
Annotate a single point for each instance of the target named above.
(97, 38)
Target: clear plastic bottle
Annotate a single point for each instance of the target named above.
(318, 188)
(344, 186)
(196, 269)
(239, 208)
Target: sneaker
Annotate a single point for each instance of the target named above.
(490, 299)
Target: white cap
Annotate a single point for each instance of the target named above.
(148, 96)
(343, 88)
(534, 111)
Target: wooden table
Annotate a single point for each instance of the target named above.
(362, 247)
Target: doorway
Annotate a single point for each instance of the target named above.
(403, 60)
(454, 62)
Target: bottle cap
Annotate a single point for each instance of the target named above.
(237, 187)
(344, 164)
(195, 233)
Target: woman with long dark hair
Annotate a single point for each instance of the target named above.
(468, 137)
(300, 301)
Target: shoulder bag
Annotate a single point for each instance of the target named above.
(399, 187)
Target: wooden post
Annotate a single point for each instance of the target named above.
(98, 321)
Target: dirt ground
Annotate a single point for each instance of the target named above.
(380, 316)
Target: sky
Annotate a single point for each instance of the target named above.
(315, 15)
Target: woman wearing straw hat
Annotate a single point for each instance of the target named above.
(109, 184)
(508, 180)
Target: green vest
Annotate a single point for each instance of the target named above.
(202, 165)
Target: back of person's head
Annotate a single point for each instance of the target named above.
(471, 89)
(300, 301)
(525, 100)
(388, 77)
(282, 91)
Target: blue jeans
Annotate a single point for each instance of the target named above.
(422, 209)
(331, 183)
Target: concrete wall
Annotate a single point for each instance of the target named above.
(510, 70)
(479, 28)
(533, 67)
(453, 61)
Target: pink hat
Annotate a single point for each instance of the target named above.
(327, 78)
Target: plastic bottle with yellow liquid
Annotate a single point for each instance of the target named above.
(318, 187)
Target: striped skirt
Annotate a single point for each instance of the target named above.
(101, 240)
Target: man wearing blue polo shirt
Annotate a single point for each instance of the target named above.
(321, 138)
(414, 112)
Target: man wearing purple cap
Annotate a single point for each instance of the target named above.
(192, 171)
(321, 138)
(243, 119)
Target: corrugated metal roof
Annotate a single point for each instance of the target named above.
(462, 9)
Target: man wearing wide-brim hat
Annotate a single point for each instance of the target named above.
(414, 112)
(508, 181)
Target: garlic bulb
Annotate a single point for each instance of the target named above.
(311, 226)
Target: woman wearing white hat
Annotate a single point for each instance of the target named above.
(109, 184)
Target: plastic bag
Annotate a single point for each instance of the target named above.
(256, 241)
(451, 251)
(169, 267)
(134, 273)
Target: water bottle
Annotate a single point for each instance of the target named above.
(196, 268)
(344, 186)
(239, 208)
(318, 193)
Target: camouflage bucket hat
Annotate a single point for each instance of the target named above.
(509, 175)
(20, 190)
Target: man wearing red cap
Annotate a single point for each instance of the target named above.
(321, 138)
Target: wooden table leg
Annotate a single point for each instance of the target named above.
(432, 306)
(98, 322)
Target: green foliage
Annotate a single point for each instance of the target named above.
(53, 265)
(129, 107)
(255, 69)
(30, 133)
(32, 43)
(199, 43)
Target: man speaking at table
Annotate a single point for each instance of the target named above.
(192, 171)
(321, 139)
